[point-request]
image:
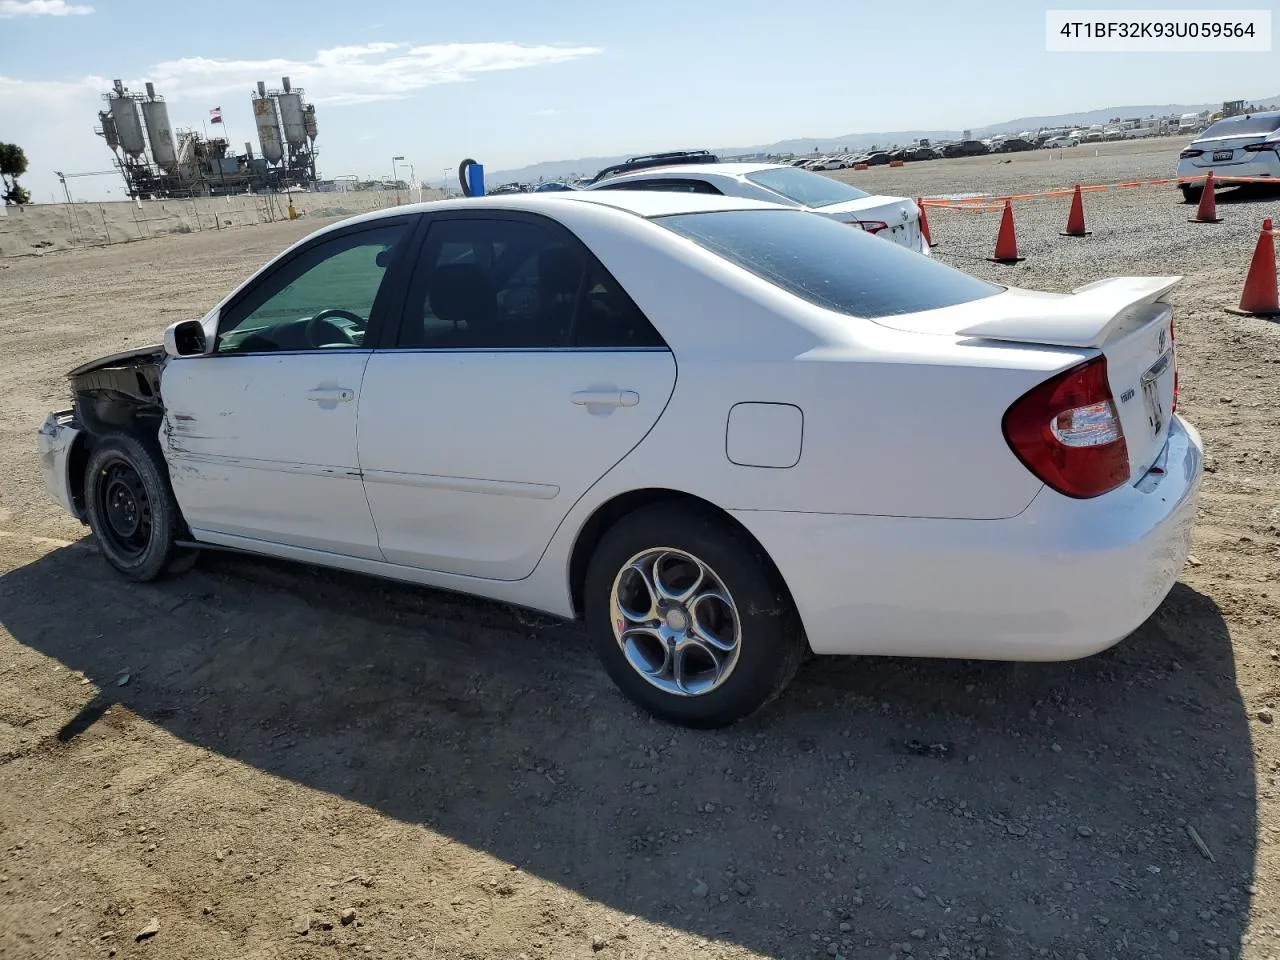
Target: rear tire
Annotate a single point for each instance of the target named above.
(1191, 194)
(708, 632)
(131, 509)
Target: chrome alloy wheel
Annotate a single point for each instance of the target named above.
(675, 621)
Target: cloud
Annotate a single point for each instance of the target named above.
(359, 73)
(53, 123)
(42, 8)
(547, 112)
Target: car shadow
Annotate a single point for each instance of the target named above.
(1247, 193)
(993, 809)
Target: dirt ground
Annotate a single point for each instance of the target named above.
(50, 227)
(249, 754)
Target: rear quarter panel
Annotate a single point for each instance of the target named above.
(885, 436)
(895, 423)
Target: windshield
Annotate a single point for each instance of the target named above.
(828, 263)
(809, 189)
(1243, 126)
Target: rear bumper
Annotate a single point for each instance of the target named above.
(55, 441)
(1064, 579)
(1264, 165)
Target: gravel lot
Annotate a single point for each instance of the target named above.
(272, 762)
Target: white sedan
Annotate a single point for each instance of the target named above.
(725, 433)
(892, 218)
(1239, 147)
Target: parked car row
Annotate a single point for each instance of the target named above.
(872, 158)
(923, 150)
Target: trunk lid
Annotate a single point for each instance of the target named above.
(1126, 319)
(1224, 151)
(901, 216)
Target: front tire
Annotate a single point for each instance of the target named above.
(131, 509)
(689, 618)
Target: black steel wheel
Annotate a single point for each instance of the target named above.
(122, 501)
(131, 509)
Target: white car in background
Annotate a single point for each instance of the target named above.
(725, 433)
(1059, 143)
(896, 219)
(1235, 147)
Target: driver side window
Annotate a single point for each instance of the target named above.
(322, 299)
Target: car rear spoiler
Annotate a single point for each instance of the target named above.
(1088, 317)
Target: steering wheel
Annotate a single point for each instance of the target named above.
(321, 333)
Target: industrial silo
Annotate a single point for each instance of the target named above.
(156, 115)
(109, 130)
(291, 116)
(264, 115)
(124, 111)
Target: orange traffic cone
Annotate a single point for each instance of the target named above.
(924, 224)
(1006, 242)
(1259, 298)
(1075, 218)
(1207, 212)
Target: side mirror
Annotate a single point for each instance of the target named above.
(185, 339)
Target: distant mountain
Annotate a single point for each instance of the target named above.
(585, 166)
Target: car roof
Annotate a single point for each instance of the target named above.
(1241, 117)
(642, 203)
(733, 169)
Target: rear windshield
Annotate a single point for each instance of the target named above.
(830, 264)
(804, 187)
(1243, 126)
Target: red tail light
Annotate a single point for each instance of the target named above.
(1173, 345)
(1188, 154)
(873, 226)
(1261, 147)
(1067, 432)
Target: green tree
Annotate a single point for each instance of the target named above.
(13, 164)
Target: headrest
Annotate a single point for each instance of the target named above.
(559, 269)
(463, 293)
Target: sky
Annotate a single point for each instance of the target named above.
(512, 82)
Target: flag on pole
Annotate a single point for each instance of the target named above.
(215, 115)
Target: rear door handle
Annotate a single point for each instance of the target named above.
(606, 398)
(332, 395)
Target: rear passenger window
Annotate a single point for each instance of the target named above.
(515, 284)
(493, 284)
(608, 318)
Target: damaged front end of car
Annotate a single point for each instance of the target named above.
(119, 393)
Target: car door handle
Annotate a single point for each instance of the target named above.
(606, 398)
(332, 394)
